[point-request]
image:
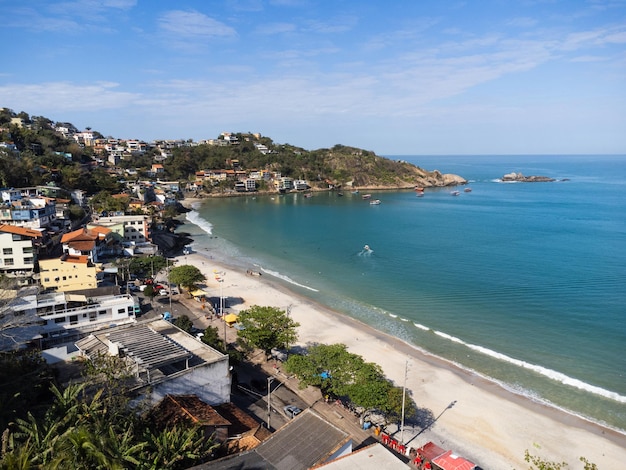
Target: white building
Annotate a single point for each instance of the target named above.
(62, 317)
(165, 361)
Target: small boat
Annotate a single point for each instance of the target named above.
(455, 193)
(467, 190)
(356, 191)
(366, 196)
(419, 189)
(308, 195)
(375, 202)
(339, 194)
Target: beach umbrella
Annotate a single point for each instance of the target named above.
(231, 318)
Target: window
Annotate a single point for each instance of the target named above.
(28, 260)
(9, 262)
(59, 320)
(73, 319)
(102, 312)
(121, 311)
(27, 249)
(92, 316)
(7, 251)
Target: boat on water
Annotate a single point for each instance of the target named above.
(467, 190)
(455, 193)
(374, 202)
(356, 191)
(366, 196)
(308, 195)
(419, 189)
(340, 194)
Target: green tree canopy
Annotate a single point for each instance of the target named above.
(341, 373)
(186, 276)
(184, 323)
(267, 328)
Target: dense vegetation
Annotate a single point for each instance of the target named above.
(86, 426)
(46, 157)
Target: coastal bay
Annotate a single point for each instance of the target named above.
(485, 424)
(516, 285)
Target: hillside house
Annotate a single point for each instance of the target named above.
(92, 243)
(19, 247)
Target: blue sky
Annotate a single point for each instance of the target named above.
(396, 77)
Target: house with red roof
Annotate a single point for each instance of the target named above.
(91, 242)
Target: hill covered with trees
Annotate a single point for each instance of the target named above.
(34, 152)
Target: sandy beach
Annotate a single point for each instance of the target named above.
(477, 419)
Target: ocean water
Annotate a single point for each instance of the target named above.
(524, 283)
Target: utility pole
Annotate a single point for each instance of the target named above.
(269, 396)
(406, 365)
(269, 406)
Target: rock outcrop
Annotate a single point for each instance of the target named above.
(527, 179)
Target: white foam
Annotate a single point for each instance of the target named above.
(285, 278)
(551, 374)
(421, 327)
(194, 218)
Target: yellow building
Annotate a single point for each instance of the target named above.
(68, 273)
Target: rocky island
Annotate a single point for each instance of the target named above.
(526, 179)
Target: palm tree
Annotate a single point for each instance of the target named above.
(178, 447)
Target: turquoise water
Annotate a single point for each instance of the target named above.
(524, 283)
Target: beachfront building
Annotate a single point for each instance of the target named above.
(284, 183)
(165, 360)
(62, 317)
(68, 273)
(19, 247)
(300, 185)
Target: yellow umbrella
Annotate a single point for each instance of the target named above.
(231, 318)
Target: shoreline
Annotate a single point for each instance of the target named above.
(487, 424)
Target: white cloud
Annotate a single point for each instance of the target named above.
(65, 96)
(193, 24)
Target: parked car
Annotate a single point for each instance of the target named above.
(292, 411)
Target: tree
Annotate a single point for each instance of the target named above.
(186, 276)
(184, 323)
(212, 338)
(341, 373)
(267, 328)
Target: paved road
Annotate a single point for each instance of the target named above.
(251, 379)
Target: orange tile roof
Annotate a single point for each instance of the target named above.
(79, 259)
(83, 234)
(20, 231)
(82, 245)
